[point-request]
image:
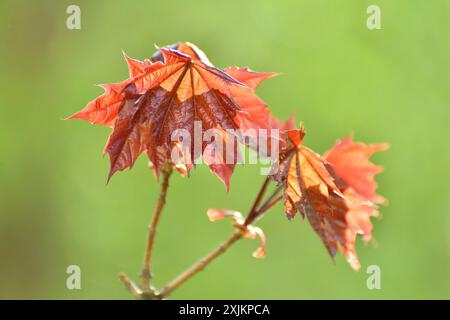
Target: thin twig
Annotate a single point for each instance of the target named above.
(201, 264)
(146, 274)
(130, 286)
(269, 203)
(253, 211)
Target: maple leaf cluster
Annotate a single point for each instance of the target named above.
(173, 90)
(178, 86)
(336, 191)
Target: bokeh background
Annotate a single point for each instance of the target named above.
(338, 77)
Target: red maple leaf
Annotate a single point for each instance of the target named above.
(305, 176)
(258, 115)
(313, 186)
(351, 163)
(178, 87)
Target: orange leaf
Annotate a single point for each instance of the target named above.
(305, 176)
(313, 187)
(177, 88)
(351, 163)
(250, 78)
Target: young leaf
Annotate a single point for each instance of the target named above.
(250, 231)
(351, 163)
(313, 187)
(173, 91)
(305, 176)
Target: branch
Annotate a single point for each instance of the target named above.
(201, 264)
(268, 204)
(254, 210)
(130, 286)
(146, 290)
(146, 274)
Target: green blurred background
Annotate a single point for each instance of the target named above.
(338, 77)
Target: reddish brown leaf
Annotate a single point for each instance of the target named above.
(351, 163)
(250, 78)
(256, 115)
(305, 176)
(104, 109)
(175, 89)
(335, 210)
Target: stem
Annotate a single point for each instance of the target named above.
(130, 286)
(253, 210)
(269, 203)
(146, 274)
(201, 264)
